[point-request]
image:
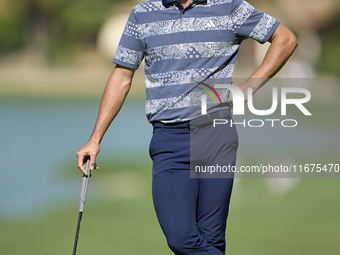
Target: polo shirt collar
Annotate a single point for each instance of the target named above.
(167, 2)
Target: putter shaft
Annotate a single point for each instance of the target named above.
(83, 191)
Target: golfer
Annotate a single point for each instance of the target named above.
(183, 41)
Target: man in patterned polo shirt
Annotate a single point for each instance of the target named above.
(185, 41)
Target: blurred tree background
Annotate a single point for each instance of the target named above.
(54, 26)
(61, 29)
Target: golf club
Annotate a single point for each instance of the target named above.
(84, 184)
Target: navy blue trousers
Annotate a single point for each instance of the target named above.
(192, 212)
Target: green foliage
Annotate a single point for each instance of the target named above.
(329, 63)
(66, 24)
(80, 20)
(11, 33)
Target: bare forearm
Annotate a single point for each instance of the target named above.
(112, 100)
(116, 89)
(283, 43)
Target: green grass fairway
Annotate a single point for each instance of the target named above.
(305, 221)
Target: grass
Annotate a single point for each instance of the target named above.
(304, 221)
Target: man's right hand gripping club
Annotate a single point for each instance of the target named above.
(116, 89)
(90, 149)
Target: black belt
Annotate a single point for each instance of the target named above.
(201, 121)
(185, 124)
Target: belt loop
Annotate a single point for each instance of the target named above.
(162, 127)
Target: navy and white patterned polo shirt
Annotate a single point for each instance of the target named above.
(180, 45)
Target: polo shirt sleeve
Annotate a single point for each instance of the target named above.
(248, 22)
(130, 51)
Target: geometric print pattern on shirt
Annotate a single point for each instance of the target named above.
(155, 6)
(227, 22)
(182, 45)
(185, 76)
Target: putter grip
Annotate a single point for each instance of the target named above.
(84, 184)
